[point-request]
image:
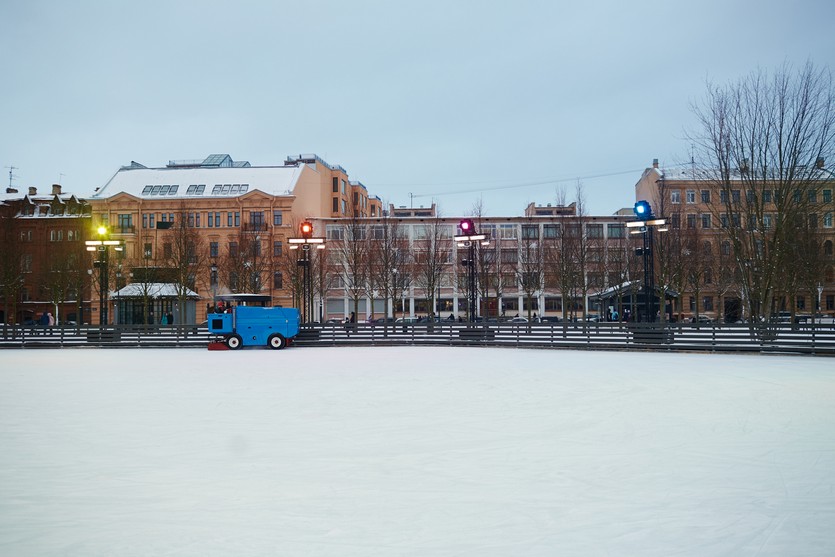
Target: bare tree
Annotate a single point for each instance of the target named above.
(763, 136)
(187, 258)
(350, 255)
(432, 256)
(531, 266)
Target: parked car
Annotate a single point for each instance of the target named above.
(550, 319)
(519, 320)
(406, 320)
(701, 319)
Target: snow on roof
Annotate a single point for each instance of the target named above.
(152, 290)
(176, 183)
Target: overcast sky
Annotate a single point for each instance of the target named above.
(507, 102)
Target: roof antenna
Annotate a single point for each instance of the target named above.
(11, 174)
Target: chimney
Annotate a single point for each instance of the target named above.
(819, 163)
(33, 190)
(56, 189)
(655, 163)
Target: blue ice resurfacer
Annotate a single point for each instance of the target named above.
(254, 326)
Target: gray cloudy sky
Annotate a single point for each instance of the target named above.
(449, 101)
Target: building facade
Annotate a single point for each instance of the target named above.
(43, 268)
(217, 226)
(734, 235)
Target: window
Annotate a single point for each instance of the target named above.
(550, 230)
(344, 189)
(25, 235)
(334, 232)
(750, 197)
(278, 283)
(229, 219)
(707, 303)
(335, 184)
(801, 302)
(530, 232)
(196, 189)
(675, 220)
(594, 230)
(766, 196)
(736, 196)
(344, 207)
(277, 248)
(705, 196)
(708, 277)
(144, 220)
(707, 248)
(813, 196)
(723, 220)
(827, 247)
(675, 196)
(827, 220)
(726, 248)
(616, 231)
(233, 249)
(56, 235)
(217, 219)
(691, 196)
(213, 249)
(691, 220)
(813, 220)
(335, 208)
(507, 231)
(277, 218)
(706, 220)
(147, 251)
(827, 196)
(125, 222)
(237, 218)
(256, 219)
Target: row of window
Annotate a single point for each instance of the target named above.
(750, 196)
(194, 189)
(55, 235)
(212, 219)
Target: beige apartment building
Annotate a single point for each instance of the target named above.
(236, 216)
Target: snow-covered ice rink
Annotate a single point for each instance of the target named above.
(415, 452)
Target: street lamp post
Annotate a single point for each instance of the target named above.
(468, 240)
(645, 223)
(213, 281)
(101, 246)
(305, 242)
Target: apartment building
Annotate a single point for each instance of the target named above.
(43, 266)
(235, 216)
(701, 210)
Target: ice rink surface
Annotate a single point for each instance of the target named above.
(415, 452)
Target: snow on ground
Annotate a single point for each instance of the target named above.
(415, 451)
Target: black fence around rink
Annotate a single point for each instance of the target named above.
(773, 338)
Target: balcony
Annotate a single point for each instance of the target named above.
(254, 226)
